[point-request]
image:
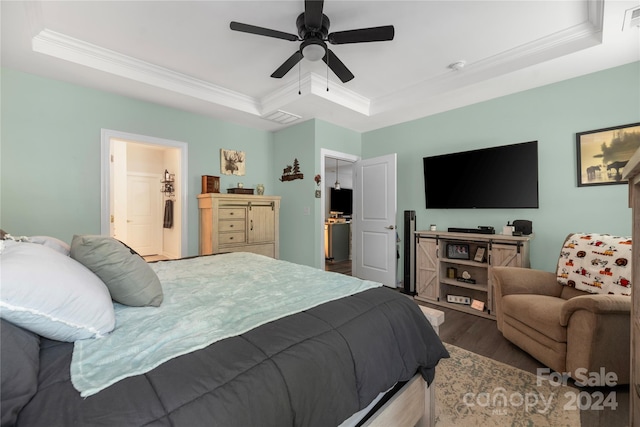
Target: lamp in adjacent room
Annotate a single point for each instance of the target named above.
(337, 184)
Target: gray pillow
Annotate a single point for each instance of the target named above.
(128, 277)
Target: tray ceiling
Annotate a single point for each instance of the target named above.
(182, 54)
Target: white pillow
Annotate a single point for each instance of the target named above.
(52, 295)
(53, 243)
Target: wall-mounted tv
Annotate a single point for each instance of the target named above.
(341, 201)
(502, 177)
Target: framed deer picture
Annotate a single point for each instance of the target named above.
(603, 154)
(232, 162)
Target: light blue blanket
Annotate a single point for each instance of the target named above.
(206, 300)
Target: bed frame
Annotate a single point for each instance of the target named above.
(414, 404)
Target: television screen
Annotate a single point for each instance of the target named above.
(342, 201)
(502, 177)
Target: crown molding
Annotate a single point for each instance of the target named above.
(582, 36)
(70, 49)
(80, 52)
(339, 94)
(314, 84)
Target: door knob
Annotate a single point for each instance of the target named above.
(391, 227)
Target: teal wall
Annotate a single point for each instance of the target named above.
(297, 218)
(50, 157)
(50, 165)
(552, 115)
(301, 230)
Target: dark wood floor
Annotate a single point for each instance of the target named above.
(481, 336)
(343, 267)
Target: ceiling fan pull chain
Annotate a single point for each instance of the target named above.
(299, 91)
(327, 72)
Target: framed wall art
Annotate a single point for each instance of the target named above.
(232, 162)
(603, 154)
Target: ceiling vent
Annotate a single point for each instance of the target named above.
(282, 117)
(631, 18)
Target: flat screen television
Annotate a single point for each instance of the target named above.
(504, 177)
(341, 201)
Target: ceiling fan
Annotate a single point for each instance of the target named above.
(313, 32)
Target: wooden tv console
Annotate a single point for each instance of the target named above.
(454, 269)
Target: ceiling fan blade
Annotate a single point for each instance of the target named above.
(313, 14)
(287, 65)
(337, 66)
(252, 29)
(363, 35)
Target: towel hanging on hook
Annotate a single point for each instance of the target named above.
(168, 213)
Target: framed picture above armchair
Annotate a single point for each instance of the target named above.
(602, 154)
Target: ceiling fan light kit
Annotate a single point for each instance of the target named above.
(313, 50)
(313, 32)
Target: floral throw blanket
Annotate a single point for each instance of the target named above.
(596, 263)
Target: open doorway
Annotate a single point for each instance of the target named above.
(144, 188)
(336, 219)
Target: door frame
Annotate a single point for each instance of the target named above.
(106, 135)
(324, 153)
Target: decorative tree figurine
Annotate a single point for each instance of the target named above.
(290, 173)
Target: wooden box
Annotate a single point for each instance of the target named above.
(240, 190)
(210, 184)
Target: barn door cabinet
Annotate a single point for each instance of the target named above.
(454, 269)
(239, 223)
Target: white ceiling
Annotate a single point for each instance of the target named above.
(182, 53)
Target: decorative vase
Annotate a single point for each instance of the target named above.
(260, 189)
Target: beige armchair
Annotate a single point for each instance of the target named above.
(564, 328)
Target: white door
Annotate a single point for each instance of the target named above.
(374, 183)
(144, 214)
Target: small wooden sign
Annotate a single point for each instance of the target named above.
(479, 254)
(478, 305)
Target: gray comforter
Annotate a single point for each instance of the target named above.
(314, 368)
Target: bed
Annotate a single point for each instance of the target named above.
(231, 340)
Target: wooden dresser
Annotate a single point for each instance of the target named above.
(632, 173)
(239, 223)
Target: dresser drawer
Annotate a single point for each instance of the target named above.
(231, 213)
(231, 225)
(230, 238)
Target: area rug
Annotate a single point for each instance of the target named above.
(473, 390)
